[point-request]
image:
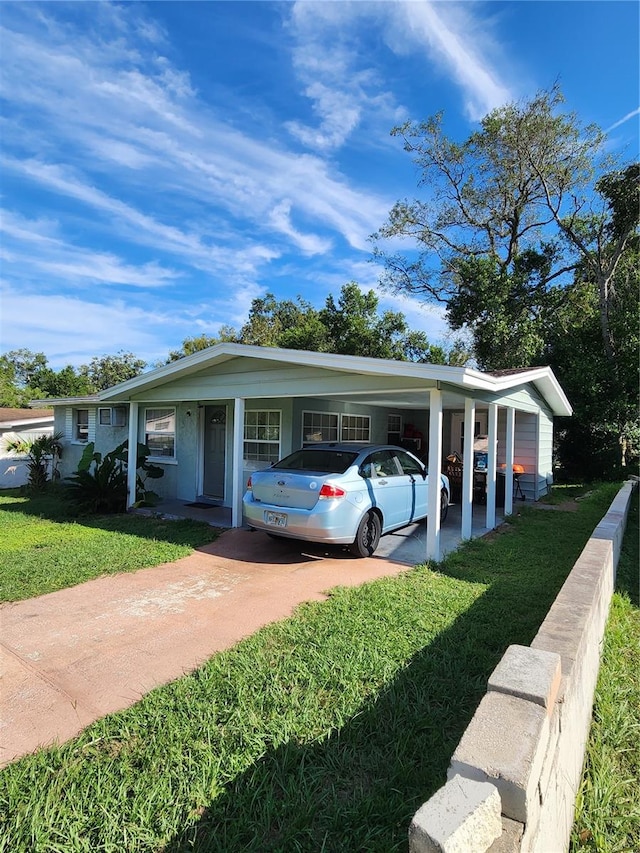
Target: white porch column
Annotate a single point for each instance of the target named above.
(237, 466)
(466, 499)
(435, 470)
(508, 474)
(492, 434)
(132, 454)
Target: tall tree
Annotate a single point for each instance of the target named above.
(493, 195)
(517, 218)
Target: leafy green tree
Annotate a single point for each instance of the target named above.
(23, 365)
(17, 371)
(519, 218)
(287, 323)
(352, 325)
(104, 371)
(197, 344)
(507, 312)
(603, 436)
(492, 195)
(66, 382)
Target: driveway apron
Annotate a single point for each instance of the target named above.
(73, 656)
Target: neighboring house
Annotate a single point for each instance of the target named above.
(20, 424)
(211, 418)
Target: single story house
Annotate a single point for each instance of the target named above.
(213, 417)
(22, 424)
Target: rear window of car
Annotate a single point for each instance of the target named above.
(318, 461)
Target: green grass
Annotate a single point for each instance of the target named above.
(45, 547)
(608, 804)
(324, 732)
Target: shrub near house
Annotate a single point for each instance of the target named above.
(100, 483)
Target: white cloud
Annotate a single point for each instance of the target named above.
(624, 119)
(103, 105)
(30, 244)
(71, 330)
(339, 76)
(454, 38)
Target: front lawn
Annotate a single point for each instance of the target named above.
(44, 546)
(323, 732)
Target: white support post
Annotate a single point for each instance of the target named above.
(467, 468)
(492, 465)
(508, 474)
(435, 470)
(132, 454)
(238, 456)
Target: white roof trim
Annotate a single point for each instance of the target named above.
(464, 377)
(66, 401)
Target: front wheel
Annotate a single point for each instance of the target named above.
(444, 505)
(368, 535)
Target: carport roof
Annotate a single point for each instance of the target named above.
(464, 379)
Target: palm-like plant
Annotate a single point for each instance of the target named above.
(43, 454)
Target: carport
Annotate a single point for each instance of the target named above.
(213, 393)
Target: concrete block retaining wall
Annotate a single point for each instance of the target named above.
(513, 778)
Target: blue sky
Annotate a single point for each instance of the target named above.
(165, 163)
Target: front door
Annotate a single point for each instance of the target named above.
(215, 440)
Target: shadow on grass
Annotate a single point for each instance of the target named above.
(213, 762)
(627, 581)
(357, 789)
(54, 506)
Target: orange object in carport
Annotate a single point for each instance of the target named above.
(518, 469)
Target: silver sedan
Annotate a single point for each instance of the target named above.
(341, 494)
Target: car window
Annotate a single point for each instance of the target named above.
(318, 461)
(383, 464)
(408, 464)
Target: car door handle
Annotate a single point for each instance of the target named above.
(382, 482)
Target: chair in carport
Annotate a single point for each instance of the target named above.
(453, 470)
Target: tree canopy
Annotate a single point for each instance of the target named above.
(25, 376)
(527, 233)
(350, 325)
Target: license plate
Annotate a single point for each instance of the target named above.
(276, 519)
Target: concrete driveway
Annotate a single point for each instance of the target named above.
(70, 657)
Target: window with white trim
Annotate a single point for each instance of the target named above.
(81, 424)
(160, 432)
(261, 437)
(319, 426)
(355, 428)
(394, 429)
(112, 416)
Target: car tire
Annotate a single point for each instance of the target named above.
(368, 535)
(444, 506)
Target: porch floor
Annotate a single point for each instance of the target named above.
(408, 545)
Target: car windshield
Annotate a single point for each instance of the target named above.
(318, 461)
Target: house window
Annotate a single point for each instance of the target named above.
(261, 437)
(319, 426)
(394, 429)
(356, 427)
(160, 432)
(116, 416)
(81, 431)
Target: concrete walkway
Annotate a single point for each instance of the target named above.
(73, 656)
